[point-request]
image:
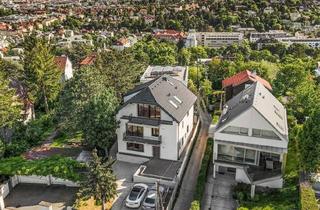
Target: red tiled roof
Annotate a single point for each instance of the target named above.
(243, 77)
(90, 59)
(61, 62)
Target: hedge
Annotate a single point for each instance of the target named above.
(307, 198)
(57, 166)
(202, 177)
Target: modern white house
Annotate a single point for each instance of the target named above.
(178, 72)
(156, 121)
(251, 138)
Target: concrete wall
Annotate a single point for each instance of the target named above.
(273, 183)
(241, 176)
(131, 159)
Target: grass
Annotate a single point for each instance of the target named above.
(202, 177)
(215, 119)
(65, 139)
(92, 205)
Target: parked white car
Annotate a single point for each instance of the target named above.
(136, 195)
(150, 199)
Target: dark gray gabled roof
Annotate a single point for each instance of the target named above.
(168, 93)
(237, 105)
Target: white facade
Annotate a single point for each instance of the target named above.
(68, 71)
(253, 145)
(172, 137)
(213, 39)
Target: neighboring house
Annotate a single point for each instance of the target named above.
(65, 65)
(169, 35)
(271, 34)
(178, 72)
(156, 121)
(317, 70)
(89, 60)
(251, 138)
(238, 82)
(124, 43)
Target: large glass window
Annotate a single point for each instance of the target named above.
(236, 130)
(135, 147)
(149, 111)
(264, 134)
(250, 156)
(133, 130)
(236, 154)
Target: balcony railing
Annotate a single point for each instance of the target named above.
(146, 121)
(156, 140)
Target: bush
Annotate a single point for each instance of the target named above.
(61, 167)
(307, 198)
(29, 135)
(195, 205)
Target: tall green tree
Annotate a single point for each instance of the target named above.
(41, 75)
(100, 182)
(10, 106)
(309, 143)
(100, 117)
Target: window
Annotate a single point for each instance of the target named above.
(236, 130)
(135, 147)
(250, 156)
(155, 131)
(236, 154)
(188, 129)
(149, 111)
(264, 134)
(133, 130)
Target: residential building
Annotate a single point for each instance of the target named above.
(213, 39)
(169, 35)
(311, 42)
(65, 66)
(240, 81)
(178, 72)
(251, 138)
(156, 121)
(124, 43)
(89, 60)
(272, 34)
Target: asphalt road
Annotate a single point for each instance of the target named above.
(189, 181)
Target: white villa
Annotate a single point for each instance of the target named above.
(156, 121)
(251, 138)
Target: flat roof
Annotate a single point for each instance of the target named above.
(152, 72)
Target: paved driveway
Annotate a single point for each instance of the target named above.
(218, 193)
(124, 172)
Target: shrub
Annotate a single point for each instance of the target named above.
(195, 205)
(61, 167)
(307, 198)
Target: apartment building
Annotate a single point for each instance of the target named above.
(213, 39)
(156, 121)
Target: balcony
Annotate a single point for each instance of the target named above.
(142, 139)
(146, 121)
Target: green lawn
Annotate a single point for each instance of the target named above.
(65, 139)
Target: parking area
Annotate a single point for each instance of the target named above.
(124, 172)
(28, 196)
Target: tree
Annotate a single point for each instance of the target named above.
(41, 75)
(309, 143)
(100, 182)
(100, 117)
(10, 106)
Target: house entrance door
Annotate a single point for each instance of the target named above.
(156, 151)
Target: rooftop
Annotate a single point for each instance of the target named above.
(178, 72)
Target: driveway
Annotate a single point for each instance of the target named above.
(124, 172)
(190, 177)
(218, 193)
